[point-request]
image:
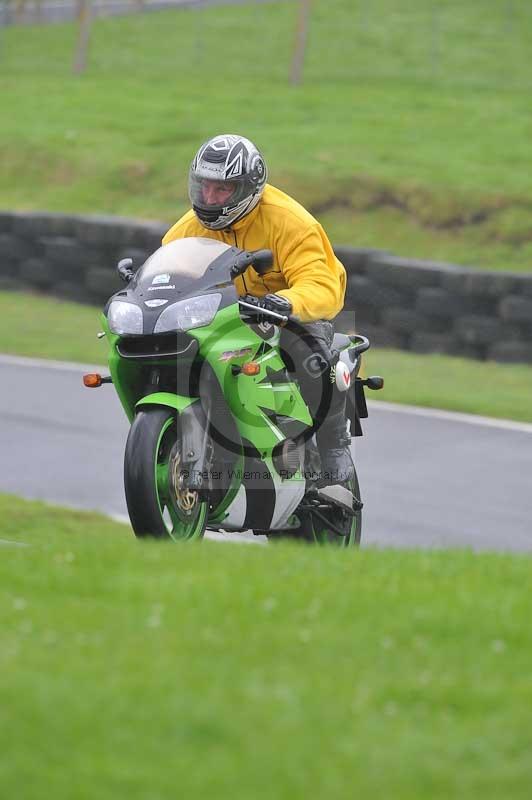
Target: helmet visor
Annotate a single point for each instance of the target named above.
(211, 194)
(215, 195)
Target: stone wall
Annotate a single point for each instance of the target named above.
(416, 305)
(430, 307)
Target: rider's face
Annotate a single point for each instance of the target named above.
(216, 193)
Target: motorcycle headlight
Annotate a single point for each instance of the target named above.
(186, 314)
(124, 318)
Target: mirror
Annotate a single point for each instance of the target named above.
(262, 261)
(124, 269)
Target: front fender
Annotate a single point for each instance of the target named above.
(193, 428)
(167, 399)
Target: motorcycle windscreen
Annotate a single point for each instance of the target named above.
(181, 262)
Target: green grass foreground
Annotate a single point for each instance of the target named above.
(150, 670)
(43, 327)
(410, 131)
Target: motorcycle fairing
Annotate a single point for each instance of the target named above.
(247, 395)
(257, 403)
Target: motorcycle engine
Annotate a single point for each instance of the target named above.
(287, 459)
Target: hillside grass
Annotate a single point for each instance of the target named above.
(42, 327)
(153, 670)
(410, 132)
(37, 326)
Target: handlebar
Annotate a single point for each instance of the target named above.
(279, 319)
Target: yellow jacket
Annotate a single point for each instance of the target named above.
(305, 269)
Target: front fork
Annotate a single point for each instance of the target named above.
(194, 439)
(195, 422)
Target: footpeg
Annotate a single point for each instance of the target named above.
(337, 495)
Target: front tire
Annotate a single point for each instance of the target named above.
(156, 505)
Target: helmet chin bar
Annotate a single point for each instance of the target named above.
(216, 220)
(204, 215)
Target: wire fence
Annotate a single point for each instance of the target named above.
(486, 43)
(42, 12)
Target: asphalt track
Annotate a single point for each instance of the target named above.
(428, 479)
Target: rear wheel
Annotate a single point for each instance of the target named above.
(315, 529)
(157, 503)
(334, 526)
(347, 529)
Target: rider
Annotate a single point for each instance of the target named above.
(232, 202)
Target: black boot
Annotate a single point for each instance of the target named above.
(333, 445)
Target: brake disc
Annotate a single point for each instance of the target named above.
(185, 499)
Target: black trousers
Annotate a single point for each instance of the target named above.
(306, 349)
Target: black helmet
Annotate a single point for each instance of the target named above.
(234, 166)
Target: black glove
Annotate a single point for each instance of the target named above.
(270, 302)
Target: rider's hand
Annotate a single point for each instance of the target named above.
(270, 302)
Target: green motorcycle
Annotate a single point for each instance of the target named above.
(220, 436)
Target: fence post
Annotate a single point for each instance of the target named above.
(20, 9)
(84, 29)
(300, 42)
(435, 40)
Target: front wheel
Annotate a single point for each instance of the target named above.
(157, 504)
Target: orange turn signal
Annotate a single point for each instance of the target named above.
(92, 380)
(251, 368)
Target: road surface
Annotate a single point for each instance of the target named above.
(427, 479)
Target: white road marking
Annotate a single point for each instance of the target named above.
(235, 538)
(215, 536)
(451, 416)
(44, 363)
(122, 518)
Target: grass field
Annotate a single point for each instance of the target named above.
(410, 132)
(43, 327)
(151, 671)
(217, 671)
